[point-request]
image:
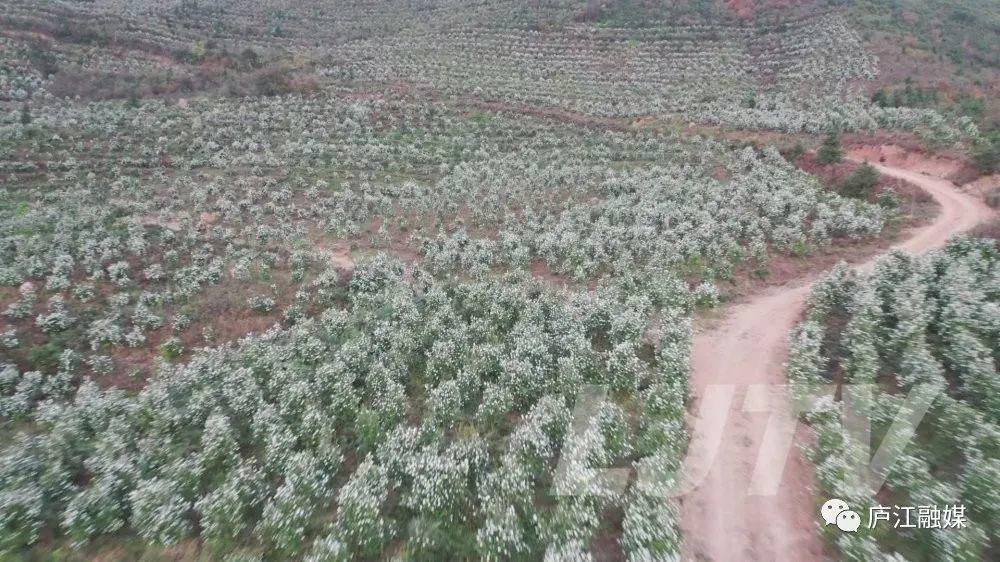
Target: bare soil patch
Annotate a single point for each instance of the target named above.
(900, 157)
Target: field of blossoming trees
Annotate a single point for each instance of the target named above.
(137, 237)
(912, 322)
(791, 73)
(328, 280)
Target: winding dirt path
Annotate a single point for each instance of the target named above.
(730, 513)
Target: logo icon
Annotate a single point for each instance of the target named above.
(831, 509)
(836, 512)
(848, 521)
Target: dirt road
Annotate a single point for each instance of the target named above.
(751, 500)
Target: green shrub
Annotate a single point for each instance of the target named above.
(171, 349)
(261, 303)
(987, 153)
(795, 152)
(860, 183)
(45, 357)
(889, 199)
(830, 152)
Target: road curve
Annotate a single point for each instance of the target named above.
(727, 514)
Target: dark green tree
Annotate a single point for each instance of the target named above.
(860, 183)
(25, 115)
(793, 154)
(830, 152)
(880, 98)
(986, 154)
